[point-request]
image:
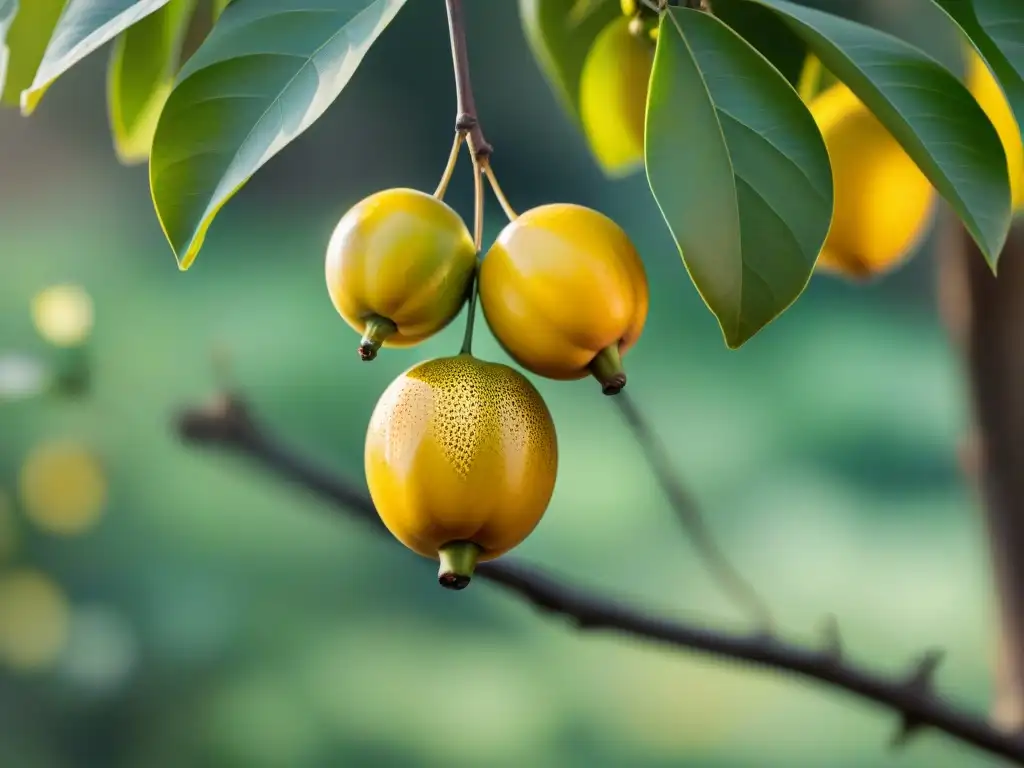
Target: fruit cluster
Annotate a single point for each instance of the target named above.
(461, 454)
(883, 204)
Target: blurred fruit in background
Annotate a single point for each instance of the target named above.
(989, 95)
(884, 205)
(63, 488)
(612, 102)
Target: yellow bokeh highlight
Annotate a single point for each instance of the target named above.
(63, 315)
(8, 528)
(34, 620)
(63, 488)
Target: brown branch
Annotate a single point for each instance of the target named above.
(985, 317)
(229, 425)
(467, 121)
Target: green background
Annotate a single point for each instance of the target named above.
(224, 619)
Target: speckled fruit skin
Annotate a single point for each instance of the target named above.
(561, 283)
(403, 255)
(459, 449)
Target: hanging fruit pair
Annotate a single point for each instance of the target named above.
(461, 454)
(562, 288)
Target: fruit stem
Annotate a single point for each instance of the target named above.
(449, 169)
(607, 369)
(377, 330)
(508, 209)
(474, 289)
(458, 560)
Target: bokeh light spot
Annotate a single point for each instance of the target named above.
(102, 649)
(34, 621)
(21, 376)
(63, 315)
(63, 488)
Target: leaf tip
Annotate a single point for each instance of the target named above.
(31, 97)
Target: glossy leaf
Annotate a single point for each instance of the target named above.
(926, 109)
(7, 10)
(267, 71)
(996, 30)
(140, 76)
(767, 33)
(26, 41)
(739, 170)
(560, 33)
(218, 7)
(84, 26)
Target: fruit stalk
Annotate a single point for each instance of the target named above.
(474, 289)
(449, 169)
(377, 331)
(607, 369)
(458, 561)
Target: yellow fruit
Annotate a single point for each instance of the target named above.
(628, 7)
(398, 268)
(461, 457)
(565, 293)
(613, 96)
(883, 203)
(989, 95)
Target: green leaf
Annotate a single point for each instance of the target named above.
(926, 109)
(268, 70)
(996, 30)
(84, 26)
(26, 40)
(140, 76)
(767, 33)
(7, 10)
(218, 7)
(739, 170)
(560, 33)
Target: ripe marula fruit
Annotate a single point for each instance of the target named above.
(398, 268)
(883, 203)
(461, 457)
(613, 96)
(989, 95)
(565, 293)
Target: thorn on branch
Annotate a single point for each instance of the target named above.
(921, 683)
(833, 640)
(225, 419)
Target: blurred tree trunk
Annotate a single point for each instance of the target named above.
(985, 316)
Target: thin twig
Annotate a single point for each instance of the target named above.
(228, 424)
(467, 119)
(689, 514)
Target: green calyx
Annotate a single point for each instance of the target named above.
(378, 329)
(458, 561)
(607, 369)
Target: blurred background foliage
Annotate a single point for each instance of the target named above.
(161, 606)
